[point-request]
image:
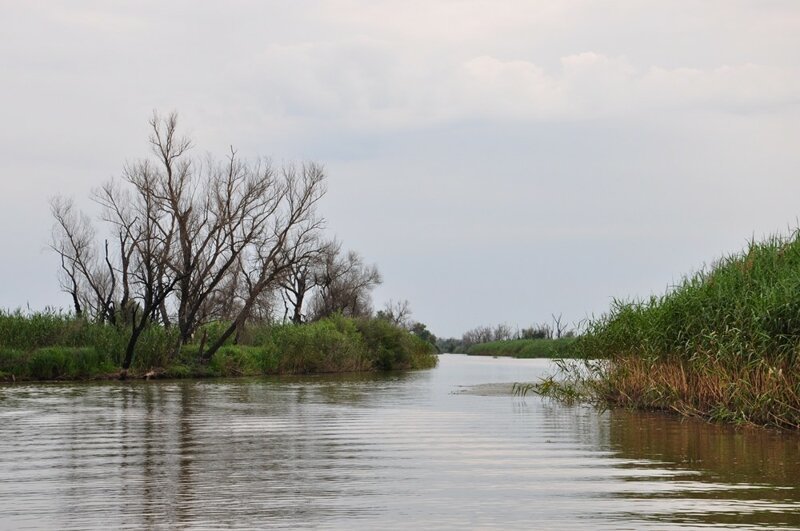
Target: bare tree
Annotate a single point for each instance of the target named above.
(221, 210)
(146, 232)
(502, 332)
(192, 240)
(479, 334)
(307, 263)
(345, 284)
(72, 239)
(541, 331)
(397, 312)
(292, 221)
(88, 279)
(558, 327)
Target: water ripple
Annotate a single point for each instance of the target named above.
(382, 452)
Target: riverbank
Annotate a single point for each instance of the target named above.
(51, 346)
(526, 348)
(722, 345)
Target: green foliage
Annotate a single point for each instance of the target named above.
(421, 331)
(156, 348)
(451, 345)
(47, 329)
(236, 360)
(744, 308)
(329, 345)
(56, 346)
(213, 331)
(54, 363)
(723, 344)
(527, 348)
(391, 347)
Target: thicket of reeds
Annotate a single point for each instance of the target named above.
(723, 344)
(526, 348)
(57, 346)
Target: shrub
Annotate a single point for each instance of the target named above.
(391, 347)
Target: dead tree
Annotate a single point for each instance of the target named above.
(191, 240)
(307, 264)
(226, 214)
(396, 312)
(147, 233)
(558, 327)
(292, 223)
(345, 284)
(88, 279)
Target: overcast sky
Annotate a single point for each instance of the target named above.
(499, 160)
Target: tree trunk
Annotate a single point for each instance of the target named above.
(232, 328)
(131, 348)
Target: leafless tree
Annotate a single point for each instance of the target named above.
(88, 279)
(397, 312)
(540, 331)
(344, 284)
(307, 265)
(146, 233)
(221, 211)
(193, 240)
(479, 334)
(502, 332)
(558, 327)
(292, 221)
(72, 239)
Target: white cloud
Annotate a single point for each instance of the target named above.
(590, 84)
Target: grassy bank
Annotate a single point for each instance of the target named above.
(52, 346)
(722, 345)
(526, 348)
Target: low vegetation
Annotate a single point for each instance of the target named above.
(526, 348)
(56, 346)
(722, 345)
(503, 340)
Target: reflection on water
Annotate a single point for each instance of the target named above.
(375, 451)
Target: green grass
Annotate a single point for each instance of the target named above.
(722, 345)
(56, 346)
(51, 363)
(527, 348)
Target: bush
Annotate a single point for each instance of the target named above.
(236, 360)
(391, 347)
(329, 345)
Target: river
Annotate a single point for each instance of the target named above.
(435, 449)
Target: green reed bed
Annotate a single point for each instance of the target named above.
(723, 344)
(526, 348)
(56, 346)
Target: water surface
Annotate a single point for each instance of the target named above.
(434, 449)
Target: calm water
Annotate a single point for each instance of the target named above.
(423, 449)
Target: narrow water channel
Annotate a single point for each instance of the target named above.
(434, 449)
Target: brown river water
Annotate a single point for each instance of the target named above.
(448, 448)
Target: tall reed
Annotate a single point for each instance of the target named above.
(526, 348)
(722, 344)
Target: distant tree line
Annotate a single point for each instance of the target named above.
(502, 332)
(193, 240)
